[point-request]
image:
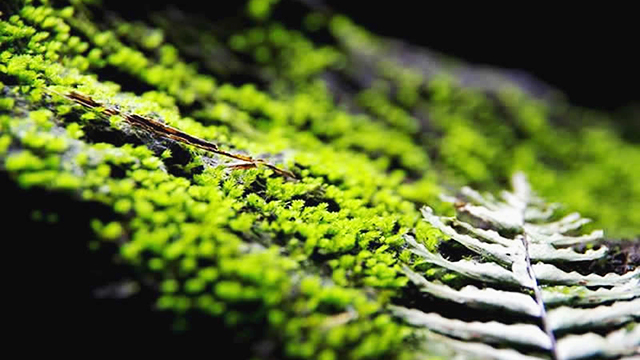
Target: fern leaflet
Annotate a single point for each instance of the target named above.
(542, 311)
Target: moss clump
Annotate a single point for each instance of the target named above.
(307, 266)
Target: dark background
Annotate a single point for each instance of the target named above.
(589, 54)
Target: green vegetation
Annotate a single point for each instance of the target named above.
(315, 260)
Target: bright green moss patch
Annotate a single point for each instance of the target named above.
(6, 104)
(24, 160)
(309, 264)
(5, 141)
(260, 9)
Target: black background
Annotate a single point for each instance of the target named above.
(589, 54)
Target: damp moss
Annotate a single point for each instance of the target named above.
(309, 263)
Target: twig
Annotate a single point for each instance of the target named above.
(172, 133)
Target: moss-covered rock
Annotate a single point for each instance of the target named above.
(291, 268)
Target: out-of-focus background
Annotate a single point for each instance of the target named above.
(588, 53)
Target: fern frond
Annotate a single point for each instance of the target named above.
(490, 332)
(579, 295)
(621, 312)
(619, 342)
(518, 268)
(477, 298)
(550, 274)
(450, 347)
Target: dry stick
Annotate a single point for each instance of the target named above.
(172, 133)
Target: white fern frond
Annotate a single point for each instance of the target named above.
(550, 274)
(489, 332)
(621, 312)
(488, 272)
(478, 298)
(579, 295)
(518, 269)
(470, 350)
(617, 343)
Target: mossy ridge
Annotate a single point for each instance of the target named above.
(310, 106)
(155, 225)
(462, 128)
(165, 234)
(366, 199)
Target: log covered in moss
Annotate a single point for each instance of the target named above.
(153, 234)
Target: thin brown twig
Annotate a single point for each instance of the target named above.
(172, 133)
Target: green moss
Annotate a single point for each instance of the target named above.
(260, 9)
(5, 142)
(6, 103)
(312, 263)
(24, 160)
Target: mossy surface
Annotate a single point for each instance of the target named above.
(306, 266)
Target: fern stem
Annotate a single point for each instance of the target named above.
(538, 294)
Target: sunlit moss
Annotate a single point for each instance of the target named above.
(316, 259)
